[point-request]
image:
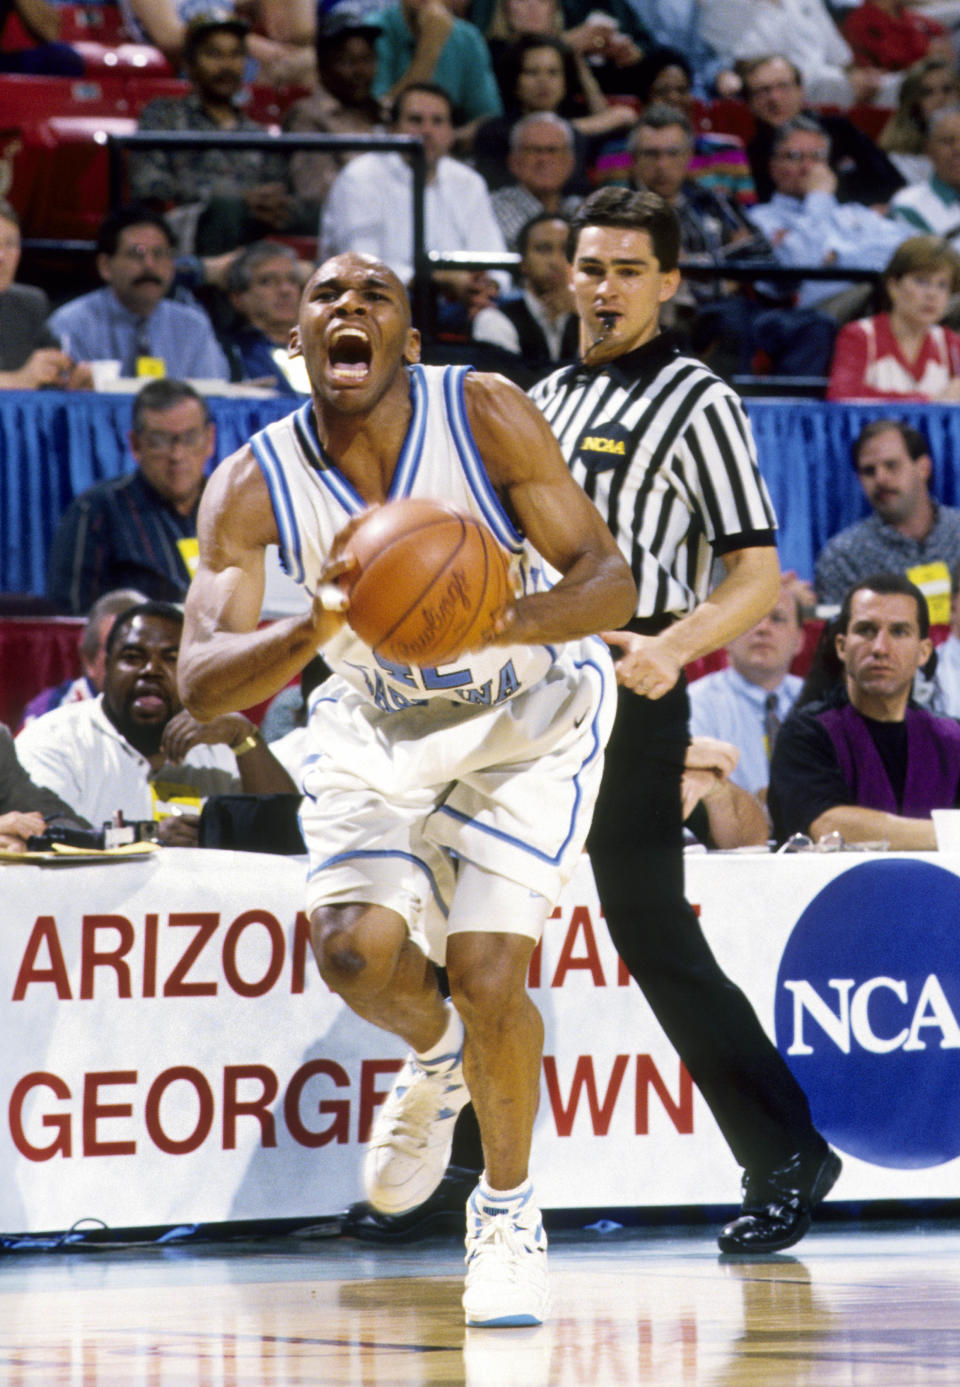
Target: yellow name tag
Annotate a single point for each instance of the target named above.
(933, 580)
(190, 553)
(173, 799)
(151, 366)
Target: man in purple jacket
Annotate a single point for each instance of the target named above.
(864, 762)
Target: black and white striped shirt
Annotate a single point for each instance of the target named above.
(664, 449)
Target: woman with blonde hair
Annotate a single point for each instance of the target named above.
(928, 86)
(904, 353)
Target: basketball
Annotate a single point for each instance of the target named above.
(428, 581)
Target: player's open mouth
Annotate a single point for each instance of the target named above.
(349, 354)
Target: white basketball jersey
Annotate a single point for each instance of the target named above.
(312, 501)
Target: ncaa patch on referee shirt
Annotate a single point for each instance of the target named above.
(604, 447)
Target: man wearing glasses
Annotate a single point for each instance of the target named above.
(139, 530)
(807, 226)
(131, 320)
(709, 315)
(773, 88)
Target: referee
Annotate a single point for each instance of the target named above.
(664, 449)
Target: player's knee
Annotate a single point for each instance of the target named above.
(487, 978)
(343, 956)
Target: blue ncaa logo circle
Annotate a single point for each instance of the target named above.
(867, 1012)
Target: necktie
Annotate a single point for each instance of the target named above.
(771, 722)
(141, 347)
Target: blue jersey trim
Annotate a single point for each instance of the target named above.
(340, 857)
(324, 470)
(472, 463)
(408, 463)
(282, 503)
(596, 749)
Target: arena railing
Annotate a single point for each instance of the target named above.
(425, 261)
(288, 143)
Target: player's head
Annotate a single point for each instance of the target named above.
(624, 248)
(354, 331)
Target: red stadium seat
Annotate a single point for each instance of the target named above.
(24, 100)
(869, 119)
(132, 60)
(725, 116)
(70, 192)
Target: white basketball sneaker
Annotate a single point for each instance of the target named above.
(412, 1135)
(506, 1261)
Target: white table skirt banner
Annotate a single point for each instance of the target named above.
(171, 1054)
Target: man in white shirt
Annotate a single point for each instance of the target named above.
(746, 702)
(136, 750)
(369, 208)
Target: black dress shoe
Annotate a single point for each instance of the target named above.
(777, 1204)
(443, 1213)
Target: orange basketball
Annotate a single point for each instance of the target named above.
(428, 582)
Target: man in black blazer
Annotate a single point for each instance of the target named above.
(773, 89)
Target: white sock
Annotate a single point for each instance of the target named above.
(503, 1196)
(449, 1045)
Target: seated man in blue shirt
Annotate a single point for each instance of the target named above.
(808, 227)
(745, 703)
(139, 530)
(131, 320)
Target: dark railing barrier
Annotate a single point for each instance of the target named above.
(118, 145)
(424, 261)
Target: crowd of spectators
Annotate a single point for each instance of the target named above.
(805, 139)
(522, 107)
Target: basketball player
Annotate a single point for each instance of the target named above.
(664, 448)
(444, 807)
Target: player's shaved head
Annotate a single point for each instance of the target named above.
(361, 270)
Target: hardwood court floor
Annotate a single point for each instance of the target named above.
(851, 1306)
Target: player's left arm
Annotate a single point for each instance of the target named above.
(525, 465)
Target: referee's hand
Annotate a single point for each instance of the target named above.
(642, 664)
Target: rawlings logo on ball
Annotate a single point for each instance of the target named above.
(428, 583)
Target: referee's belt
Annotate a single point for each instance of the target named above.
(650, 625)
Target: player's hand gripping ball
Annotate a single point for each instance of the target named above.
(427, 583)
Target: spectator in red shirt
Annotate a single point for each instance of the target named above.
(904, 354)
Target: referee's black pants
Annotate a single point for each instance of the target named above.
(636, 850)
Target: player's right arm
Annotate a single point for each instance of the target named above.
(227, 662)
